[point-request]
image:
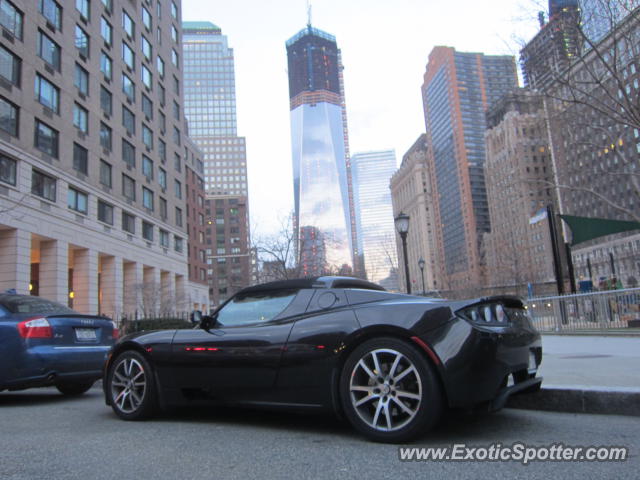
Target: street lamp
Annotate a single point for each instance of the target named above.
(402, 226)
(421, 263)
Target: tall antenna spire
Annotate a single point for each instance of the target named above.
(308, 13)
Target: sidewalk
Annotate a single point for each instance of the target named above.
(587, 374)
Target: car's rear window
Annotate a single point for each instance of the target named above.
(33, 305)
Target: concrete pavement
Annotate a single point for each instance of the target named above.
(587, 374)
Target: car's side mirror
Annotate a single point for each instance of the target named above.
(207, 322)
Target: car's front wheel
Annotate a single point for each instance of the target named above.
(131, 386)
(389, 390)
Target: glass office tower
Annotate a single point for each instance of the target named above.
(322, 186)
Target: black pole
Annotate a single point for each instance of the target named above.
(423, 290)
(589, 269)
(572, 280)
(613, 265)
(403, 236)
(554, 247)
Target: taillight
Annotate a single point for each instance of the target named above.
(116, 332)
(38, 327)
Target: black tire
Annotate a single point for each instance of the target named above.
(392, 404)
(73, 389)
(131, 386)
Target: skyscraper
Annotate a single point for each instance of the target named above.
(600, 16)
(323, 198)
(458, 88)
(372, 172)
(210, 108)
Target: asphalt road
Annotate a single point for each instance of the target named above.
(44, 435)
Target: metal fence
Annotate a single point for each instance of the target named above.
(606, 310)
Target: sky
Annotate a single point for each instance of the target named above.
(385, 46)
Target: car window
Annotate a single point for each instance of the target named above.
(254, 308)
(19, 304)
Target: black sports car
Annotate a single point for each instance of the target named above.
(390, 363)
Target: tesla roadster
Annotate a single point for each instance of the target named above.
(390, 363)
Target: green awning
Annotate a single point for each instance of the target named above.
(585, 228)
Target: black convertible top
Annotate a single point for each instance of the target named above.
(312, 282)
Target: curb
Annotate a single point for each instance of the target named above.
(580, 399)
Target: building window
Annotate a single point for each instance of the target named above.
(105, 212)
(128, 187)
(147, 167)
(175, 58)
(9, 115)
(108, 5)
(11, 18)
(105, 174)
(128, 154)
(147, 51)
(147, 136)
(128, 56)
(164, 239)
(146, 19)
(162, 178)
(10, 66)
(160, 66)
(177, 188)
(177, 244)
(147, 198)
(46, 139)
(176, 110)
(106, 65)
(128, 223)
(8, 168)
(43, 185)
(106, 30)
(174, 10)
(128, 88)
(147, 231)
(106, 101)
(163, 121)
(80, 118)
(178, 217)
(174, 33)
(161, 94)
(147, 107)
(47, 94)
(176, 85)
(105, 136)
(128, 120)
(128, 25)
(147, 77)
(177, 162)
(82, 42)
(81, 80)
(77, 200)
(48, 50)
(52, 12)
(162, 150)
(163, 208)
(80, 158)
(176, 136)
(83, 7)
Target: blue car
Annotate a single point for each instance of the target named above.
(43, 343)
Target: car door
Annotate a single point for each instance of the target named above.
(238, 357)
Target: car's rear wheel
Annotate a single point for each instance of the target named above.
(74, 388)
(389, 390)
(131, 386)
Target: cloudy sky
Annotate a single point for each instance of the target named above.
(385, 47)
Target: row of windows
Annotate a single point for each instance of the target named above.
(45, 186)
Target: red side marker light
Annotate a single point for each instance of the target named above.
(427, 349)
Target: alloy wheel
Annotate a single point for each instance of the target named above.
(128, 385)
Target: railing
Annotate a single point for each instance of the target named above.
(140, 321)
(606, 310)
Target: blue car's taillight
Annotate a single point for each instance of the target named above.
(38, 327)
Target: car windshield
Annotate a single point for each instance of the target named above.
(20, 304)
(254, 308)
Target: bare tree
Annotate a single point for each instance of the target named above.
(278, 257)
(592, 104)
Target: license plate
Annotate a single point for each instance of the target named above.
(532, 368)
(86, 334)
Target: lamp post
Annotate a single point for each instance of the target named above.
(402, 226)
(421, 263)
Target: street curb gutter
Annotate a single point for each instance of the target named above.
(581, 399)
